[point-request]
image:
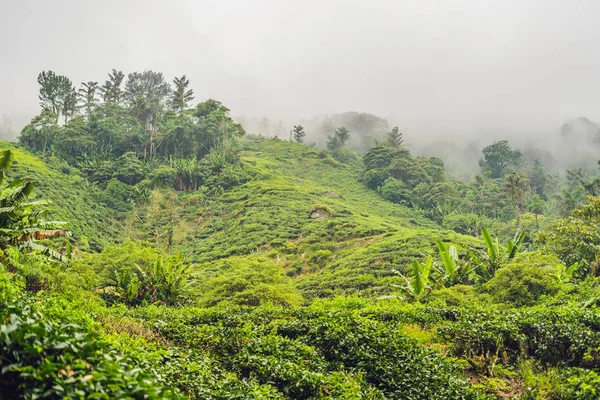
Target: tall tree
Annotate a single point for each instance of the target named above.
(70, 107)
(538, 178)
(40, 133)
(394, 138)
(181, 96)
(299, 133)
(497, 157)
(516, 187)
(338, 140)
(343, 135)
(54, 92)
(111, 90)
(536, 205)
(87, 93)
(146, 93)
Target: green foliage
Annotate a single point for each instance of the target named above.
(249, 281)
(298, 133)
(580, 384)
(394, 138)
(486, 263)
(54, 92)
(410, 181)
(497, 157)
(274, 226)
(125, 255)
(111, 90)
(87, 94)
(135, 274)
(181, 96)
(118, 196)
(166, 282)
(417, 286)
(454, 270)
(338, 140)
(552, 336)
(47, 357)
(396, 192)
(465, 223)
(566, 274)
(128, 168)
(516, 187)
(73, 200)
(317, 352)
(525, 281)
(576, 239)
(20, 224)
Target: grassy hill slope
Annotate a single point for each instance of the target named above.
(73, 200)
(310, 214)
(303, 210)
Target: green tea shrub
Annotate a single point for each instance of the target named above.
(454, 296)
(42, 357)
(525, 281)
(578, 384)
(554, 336)
(252, 283)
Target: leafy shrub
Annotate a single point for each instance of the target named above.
(568, 336)
(129, 169)
(163, 176)
(580, 384)
(322, 351)
(45, 358)
(166, 282)
(525, 281)
(396, 192)
(118, 196)
(453, 296)
(252, 283)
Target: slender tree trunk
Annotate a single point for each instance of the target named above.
(518, 219)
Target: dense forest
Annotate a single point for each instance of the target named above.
(152, 249)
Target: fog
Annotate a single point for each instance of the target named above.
(448, 69)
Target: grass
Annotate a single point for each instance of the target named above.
(73, 200)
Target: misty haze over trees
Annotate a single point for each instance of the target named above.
(318, 200)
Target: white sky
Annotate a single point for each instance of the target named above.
(432, 67)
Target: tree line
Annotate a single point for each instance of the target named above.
(106, 128)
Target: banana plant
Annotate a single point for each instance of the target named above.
(566, 275)
(454, 271)
(167, 282)
(513, 246)
(21, 225)
(417, 287)
(487, 263)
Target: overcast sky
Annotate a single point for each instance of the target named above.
(446, 66)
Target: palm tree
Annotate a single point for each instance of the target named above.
(394, 138)
(20, 225)
(69, 106)
(516, 187)
(87, 92)
(111, 90)
(181, 95)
